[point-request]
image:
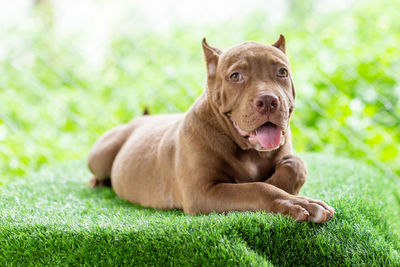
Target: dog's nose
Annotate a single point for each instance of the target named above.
(266, 103)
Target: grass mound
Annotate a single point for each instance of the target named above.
(52, 217)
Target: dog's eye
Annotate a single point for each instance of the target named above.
(282, 73)
(236, 77)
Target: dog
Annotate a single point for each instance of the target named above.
(231, 151)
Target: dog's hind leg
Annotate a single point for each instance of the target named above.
(103, 153)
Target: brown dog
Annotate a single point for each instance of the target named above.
(231, 151)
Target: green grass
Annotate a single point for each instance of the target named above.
(53, 218)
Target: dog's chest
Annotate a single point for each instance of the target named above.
(252, 171)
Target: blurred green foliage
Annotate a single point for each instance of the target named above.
(53, 105)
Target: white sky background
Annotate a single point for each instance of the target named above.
(92, 21)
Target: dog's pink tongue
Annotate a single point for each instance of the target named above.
(269, 135)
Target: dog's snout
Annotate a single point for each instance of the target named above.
(266, 103)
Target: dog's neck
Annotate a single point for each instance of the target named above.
(207, 111)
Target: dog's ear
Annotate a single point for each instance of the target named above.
(211, 55)
(280, 44)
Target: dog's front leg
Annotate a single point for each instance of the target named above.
(290, 174)
(226, 197)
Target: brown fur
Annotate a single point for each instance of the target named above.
(201, 161)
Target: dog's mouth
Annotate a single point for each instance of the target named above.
(266, 137)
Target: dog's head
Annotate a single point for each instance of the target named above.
(251, 87)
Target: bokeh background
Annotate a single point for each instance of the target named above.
(70, 70)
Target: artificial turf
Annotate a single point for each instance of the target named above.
(53, 218)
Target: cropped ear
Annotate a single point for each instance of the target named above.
(211, 55)
(280, 44)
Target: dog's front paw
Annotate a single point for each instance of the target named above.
(306, 209)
